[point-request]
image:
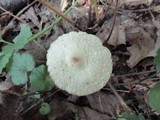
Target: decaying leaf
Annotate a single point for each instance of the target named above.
(80, 17)
(8, 110)
(156, 47)
(118, 33)
(157, 44)
(140, 38)
(104, 102)
(30, 15)
(7, 84)
(141, 44)
(67, 111)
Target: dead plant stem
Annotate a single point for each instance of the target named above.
(124, 105)
(136, 73)
(8, 12)
(48, 5)
(10, 25)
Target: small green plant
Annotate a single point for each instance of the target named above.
(154, 97)
(40, 79)
(44, 109)
(21, 67)
(18, 43)
(154, 93)
(130, 116)
(157, 61)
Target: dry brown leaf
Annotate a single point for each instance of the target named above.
(157, 44)
(104, 102)
(8, 110)
(37, 50)
(141, 44)
(93, 115)
(6, 84)
(67, 111)
(118, 36)
(156, 8)
(118, 33)
(156, 47)
(31, 15)
(80, 16)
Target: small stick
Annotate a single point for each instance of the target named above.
(39, 102)
(114, 21)
(122, 91)
(59, 13)
(12, 14)
(124, 105)
(10, 25)
(136, 73)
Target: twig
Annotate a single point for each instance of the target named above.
(148, 79)
(136, 73)
(9, 26)
(122, 91)
(12, 14)
(46, 29)
(114, 21)
(59, 13)
(124, 105)
(39, 102)
(89, 13)
(40, 46)
(96, 9)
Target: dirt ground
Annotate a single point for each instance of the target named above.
(129, 28)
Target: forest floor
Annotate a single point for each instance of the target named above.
(129, 28)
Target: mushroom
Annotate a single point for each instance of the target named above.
(78, 63)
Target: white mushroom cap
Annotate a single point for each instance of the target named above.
(78, 63)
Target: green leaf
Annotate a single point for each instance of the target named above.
(1, 54)
(22, 63)
(22, 38)
(130, 116)
(9, 48)
(45, 109)
(5, 55)
(154, 97)
(40, 79)
(4, 59)
(49, 83)
(157, 61)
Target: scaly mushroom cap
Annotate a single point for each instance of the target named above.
(78, 63)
